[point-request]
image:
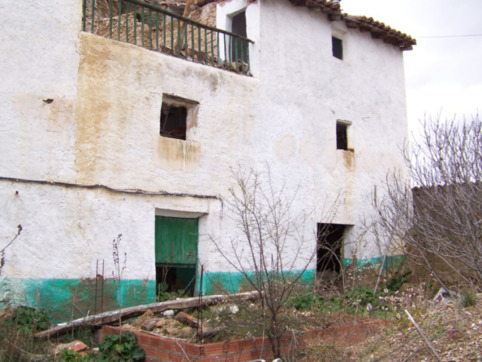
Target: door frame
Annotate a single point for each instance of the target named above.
(182, 215)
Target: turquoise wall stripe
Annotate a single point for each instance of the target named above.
(66, 299)
(391, 261)
(232, 282)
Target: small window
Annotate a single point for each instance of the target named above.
(341, 136)
(176, 115)
(337, 47)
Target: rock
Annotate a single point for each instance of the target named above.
(143, 319)
(186, 331)
(149, 325)
(161, 323)
(168, 313)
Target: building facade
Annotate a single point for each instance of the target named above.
(105, 142)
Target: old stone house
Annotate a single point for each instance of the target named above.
(121, 121)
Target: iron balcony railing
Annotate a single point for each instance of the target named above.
(157, 29)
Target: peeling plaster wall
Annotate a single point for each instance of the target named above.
(103, 128)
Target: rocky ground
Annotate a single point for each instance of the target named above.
(454, 332)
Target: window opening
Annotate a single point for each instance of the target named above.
(329, 249)
(175, 116)
(341, 136)
(337, 47)
(173, 121)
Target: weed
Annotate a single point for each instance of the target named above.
(360, 296)
(163, 294)
(68, 355)
(395, 282)
(306, 301)
(113, 348)
(28, 320)
(467, 298)
(16, 334)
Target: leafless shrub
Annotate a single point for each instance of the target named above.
(271, 252)
(4, 249)
(438, 222)
(119, 267)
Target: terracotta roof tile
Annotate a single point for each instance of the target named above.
(377, 29)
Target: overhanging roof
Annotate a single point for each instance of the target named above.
(377, 29)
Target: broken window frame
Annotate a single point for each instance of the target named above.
(176, 116)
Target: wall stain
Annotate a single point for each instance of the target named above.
(177, 154)
(349, 157)
(92, 108)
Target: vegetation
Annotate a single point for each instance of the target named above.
(16, 333)
(113, 348)
(438, 223)
(264, 217)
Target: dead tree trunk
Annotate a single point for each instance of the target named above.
(114, 316)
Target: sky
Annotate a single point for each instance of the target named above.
(443, 72)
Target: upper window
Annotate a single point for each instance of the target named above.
(337, 47)
(342, 136)
(176, 116)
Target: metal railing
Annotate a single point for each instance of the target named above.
(154, 28)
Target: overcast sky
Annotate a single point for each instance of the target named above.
(443, 74)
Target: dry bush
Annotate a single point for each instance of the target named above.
(271, 252)
(438, 222)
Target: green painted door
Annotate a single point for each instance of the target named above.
(176, 241)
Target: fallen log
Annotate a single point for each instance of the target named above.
(187, 319)
(116, 315)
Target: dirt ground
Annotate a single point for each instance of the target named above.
(454, 332)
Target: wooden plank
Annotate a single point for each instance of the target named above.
(116, 315)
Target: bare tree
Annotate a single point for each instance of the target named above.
(271, 252)
(438, 221)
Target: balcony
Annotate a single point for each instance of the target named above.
(154, 28)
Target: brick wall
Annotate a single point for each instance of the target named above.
(158, 348)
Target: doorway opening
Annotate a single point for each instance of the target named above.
(329, 250)
(176, 255)
(239, 49)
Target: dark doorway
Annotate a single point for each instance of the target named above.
(330, 245)
(174, 279)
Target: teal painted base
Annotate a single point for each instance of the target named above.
(390, 262)
(66, 299)
(232, 282)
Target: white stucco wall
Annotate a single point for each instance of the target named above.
(103, 128)
(39, 59)
(309, 90)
